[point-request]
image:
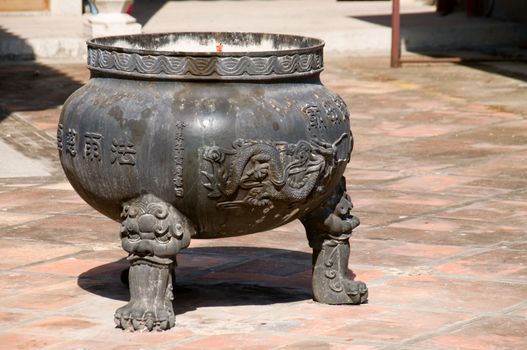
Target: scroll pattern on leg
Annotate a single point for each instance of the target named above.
(329, 229)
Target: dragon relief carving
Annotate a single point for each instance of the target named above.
(257, 173)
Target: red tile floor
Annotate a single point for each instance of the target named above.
(438, 178)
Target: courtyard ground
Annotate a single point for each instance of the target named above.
(438, 178)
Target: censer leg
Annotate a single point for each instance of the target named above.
(150, 306)
(328, 230)
(152, 232)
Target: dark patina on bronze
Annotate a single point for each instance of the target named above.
(177, 141)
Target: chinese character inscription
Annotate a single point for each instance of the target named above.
(123, 152)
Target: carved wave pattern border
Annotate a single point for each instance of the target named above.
(132, 63)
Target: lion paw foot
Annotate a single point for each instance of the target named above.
(338, 292)
(356, 291)
(139, 317)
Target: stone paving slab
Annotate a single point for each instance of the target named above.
(438, 178)
(17, 164)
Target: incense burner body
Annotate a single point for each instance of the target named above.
(175, 141)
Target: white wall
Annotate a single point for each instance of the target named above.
(65, 7)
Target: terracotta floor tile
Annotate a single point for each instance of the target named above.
(380, 159)
(333, 314)
(165, 340)
(91, 344)
(327, 344)
(55, 297)
(116, 339)
(403, 204)
(505, 166)
(449, 231)
(364, 275)
(372, 219)
(397, 325)
(71, 266)
(428, 183)
(60, 324)
(239, 341)
(508, 134)
(516, 245)
(45, 119)
(14, 283)
(453, 148)
(507, 333)
(108, 254)
(26, 341)
(365, 144)
(62, 186)
(520, 312)
(9, 186)
(36, 201)
(361, 176)
(487, 210)
(429, 251)
(477, 191)
(428, 224)
(421, 130)
(497, 263)
(108, 298)
(331, 326)
(13, 319)
(507, 184)
(398, 254)
(69, 229)
(10, 218)
(441, 293)
(18, 253)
